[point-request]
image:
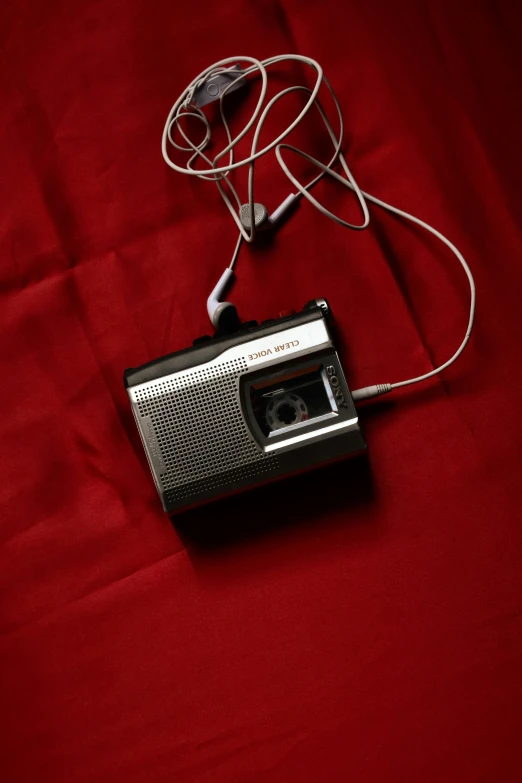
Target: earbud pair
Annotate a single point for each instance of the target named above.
(224, 314)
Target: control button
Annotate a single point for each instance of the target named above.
(268, 322)
(321, 303)
(201, 340)
(249, 325)
(213, 89)
(286, 313)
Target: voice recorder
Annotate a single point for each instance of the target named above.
(241, 409)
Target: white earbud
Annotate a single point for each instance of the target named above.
(261, 217)
(222, 314)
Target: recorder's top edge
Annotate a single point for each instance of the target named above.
(204, 352)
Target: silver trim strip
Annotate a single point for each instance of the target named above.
(342, 425)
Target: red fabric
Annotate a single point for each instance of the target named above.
(361, 623)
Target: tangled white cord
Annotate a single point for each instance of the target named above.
(218, 171)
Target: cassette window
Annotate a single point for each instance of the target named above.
(291, 400)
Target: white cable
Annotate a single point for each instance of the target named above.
(183, 107)
(471, 282)
(236, 252)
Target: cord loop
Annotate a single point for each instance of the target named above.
(218, 173)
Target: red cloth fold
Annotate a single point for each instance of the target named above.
(361, 623)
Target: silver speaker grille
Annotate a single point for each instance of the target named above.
(200, 432)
